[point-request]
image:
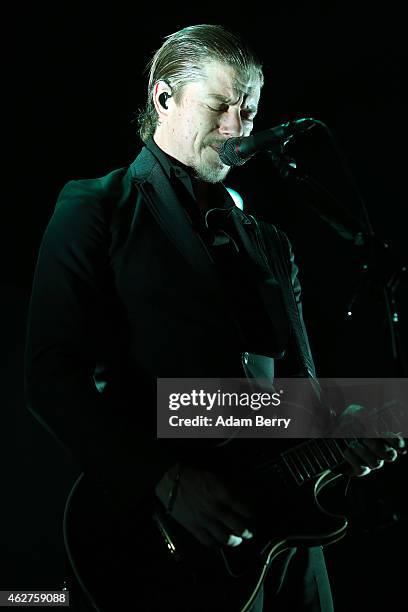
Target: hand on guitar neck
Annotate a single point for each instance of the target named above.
(216, 515)
(203, 505)
(365, 454)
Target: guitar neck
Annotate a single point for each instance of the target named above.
(302, 463)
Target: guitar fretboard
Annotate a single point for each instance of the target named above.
(306, 461)
(300, 464)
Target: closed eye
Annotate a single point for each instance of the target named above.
(222, 109)
(246, 115)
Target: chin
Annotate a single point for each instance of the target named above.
(211, 171)
(212, 174)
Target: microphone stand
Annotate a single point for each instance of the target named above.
(382, 269)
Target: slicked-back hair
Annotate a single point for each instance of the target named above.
(181, 60)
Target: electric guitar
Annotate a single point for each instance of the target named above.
(150, 562)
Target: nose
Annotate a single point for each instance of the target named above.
(231, 123)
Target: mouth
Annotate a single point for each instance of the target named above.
(214, 148)
(216, 162)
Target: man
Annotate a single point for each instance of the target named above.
(152, 272)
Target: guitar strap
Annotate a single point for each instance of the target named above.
(277, 250)
(278, 256)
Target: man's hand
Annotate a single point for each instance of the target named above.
(366, 454)
(205, 507)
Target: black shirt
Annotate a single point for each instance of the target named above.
(239, 275)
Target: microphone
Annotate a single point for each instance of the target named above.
(236, 151)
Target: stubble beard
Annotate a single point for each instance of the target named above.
(211, 170)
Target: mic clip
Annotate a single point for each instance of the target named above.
(285, 165)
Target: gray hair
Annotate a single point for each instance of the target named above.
(181, 58)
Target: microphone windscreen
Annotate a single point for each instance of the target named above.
(229, 154)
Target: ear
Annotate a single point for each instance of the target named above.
(161, 87)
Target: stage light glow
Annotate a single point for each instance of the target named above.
(239, 202)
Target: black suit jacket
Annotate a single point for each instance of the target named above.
(124, 292)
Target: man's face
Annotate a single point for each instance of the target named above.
(217, 107)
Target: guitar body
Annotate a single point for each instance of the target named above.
(149, 562)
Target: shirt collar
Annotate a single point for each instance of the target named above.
(175, 169)
(170, 165)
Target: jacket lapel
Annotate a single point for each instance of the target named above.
(169, 213)
(172, 218)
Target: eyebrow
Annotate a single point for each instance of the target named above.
(222, 98)
(227, 100)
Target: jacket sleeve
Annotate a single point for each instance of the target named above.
(66, 324)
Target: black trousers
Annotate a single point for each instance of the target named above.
(303, 586)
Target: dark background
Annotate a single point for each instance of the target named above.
(73, 80)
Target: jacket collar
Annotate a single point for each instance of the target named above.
(163, 203)
(165, 207)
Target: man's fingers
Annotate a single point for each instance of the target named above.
(361, 470)
(386, 448)
(396, 442)
(219, 532)
(235, 524)
(223, 535)
(379, 448)
(360, 455)
(247, 535)
(234, 540)
(226, 529)
(357, 469)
